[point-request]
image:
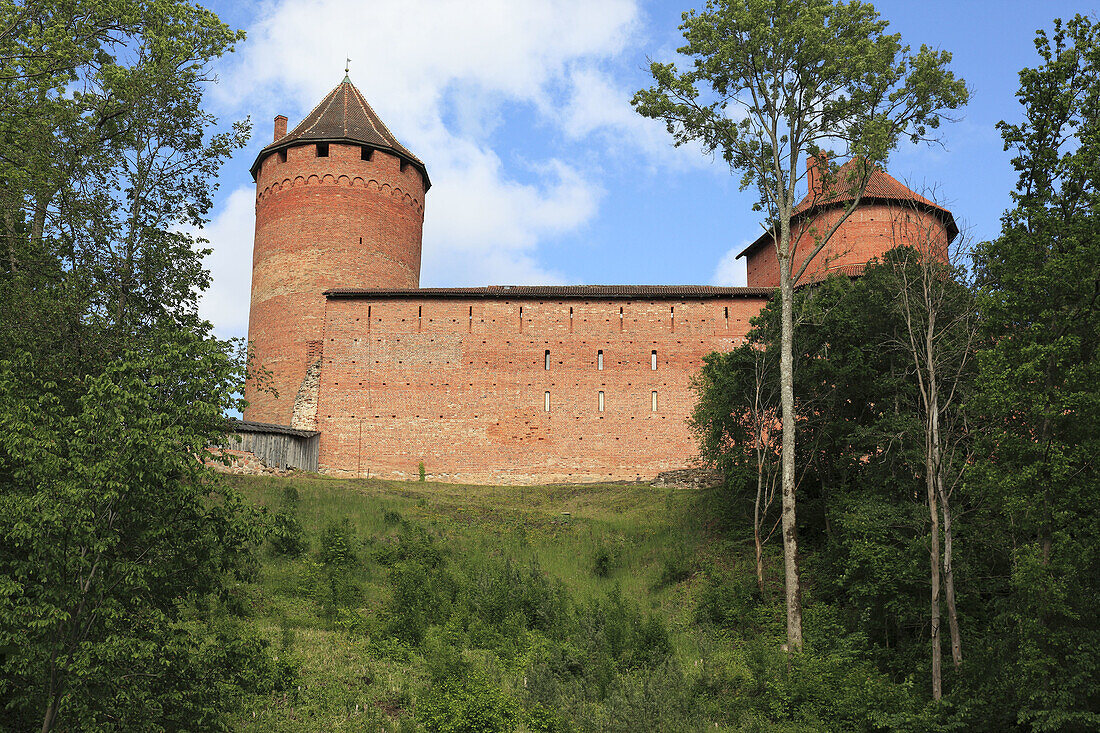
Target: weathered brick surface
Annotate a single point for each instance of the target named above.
(460, 382)
(460, 385)
(323, 222)
(871, 231)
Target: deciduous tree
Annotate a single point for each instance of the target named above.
(1039, 392)
(771, 82)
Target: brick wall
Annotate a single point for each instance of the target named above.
(871, 231)
(323, 222)
(460, 384)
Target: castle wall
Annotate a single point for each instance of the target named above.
(323, 222)
(871, 231)
(460, 384)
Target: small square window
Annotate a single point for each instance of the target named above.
(322, 150)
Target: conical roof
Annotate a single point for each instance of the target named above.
(881, 187)
(344, 115)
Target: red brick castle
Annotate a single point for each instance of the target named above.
(499, 384)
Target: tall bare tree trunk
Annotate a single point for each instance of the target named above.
(757, 519)
(786, 390)
(935, 469)
(937, 685)
(949, 579)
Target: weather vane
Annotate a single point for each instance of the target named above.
(347, 65)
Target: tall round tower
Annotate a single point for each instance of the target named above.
(339, 203)
(889, 215)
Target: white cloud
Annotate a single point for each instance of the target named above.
(445, 75)
(598, 105)
(230, 232)
(730, 270)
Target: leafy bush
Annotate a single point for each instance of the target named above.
(469, 703)
(287, 538)
(605, 560)
(332, 581)
(422, 596)
(676, 568)
(727, 601)
(338, 545)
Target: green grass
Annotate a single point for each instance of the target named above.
(353, 677)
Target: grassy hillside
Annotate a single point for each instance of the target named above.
(447, 607)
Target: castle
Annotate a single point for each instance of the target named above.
(497, 384)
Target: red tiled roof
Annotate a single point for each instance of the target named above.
(530, 292)
(881, 186)
(344, 115)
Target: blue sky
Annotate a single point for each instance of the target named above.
(542, 173)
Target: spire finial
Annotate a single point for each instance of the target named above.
(347, 69)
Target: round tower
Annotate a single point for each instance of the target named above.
(339, 203)
(889, 215)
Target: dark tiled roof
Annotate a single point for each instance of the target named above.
(248, 426)
(881, 187)
(530, 292)
(344, 115)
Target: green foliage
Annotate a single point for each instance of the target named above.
(1038, 403)
(420, 471)
(286, 535)
(333, 579)
(605, 560)
(467, 704)
(111, 386)
(772, 80)
(339, 546)
(676, 568)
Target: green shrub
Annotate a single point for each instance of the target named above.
(420, 471)
(413, 543)
(469, 703)
(338, 545)
(605, 560)
(332, 581)
(540, 718)
(422, 597)
(657, 700)
(287, 537)
(676, 568)
(727, 600)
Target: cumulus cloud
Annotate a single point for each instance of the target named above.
(730, 270)
(598, 104)
(230, 234)
(446, 75)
